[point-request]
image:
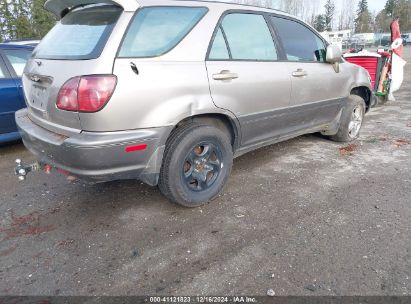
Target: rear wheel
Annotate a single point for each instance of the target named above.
(197, 163)
(352, 119)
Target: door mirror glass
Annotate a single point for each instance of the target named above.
(333, 54)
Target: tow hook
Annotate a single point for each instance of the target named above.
(22, 170)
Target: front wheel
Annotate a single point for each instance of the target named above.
(352, 119)
(197, 163)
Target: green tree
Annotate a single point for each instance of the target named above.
(363, 22)
(389, 8)
(22, 28)
(42, 20)
(402, 9)
(5, 19)
(329, 14)
(319, 23)
(393, 8)
(24, 19)
(382, 22)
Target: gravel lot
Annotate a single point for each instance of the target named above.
(305, 217)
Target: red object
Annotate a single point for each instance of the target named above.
(47, 169)
(395, 30)
(87, 94)
(67, 98)
(64, 172)
(385, 54)
(140, 147)
(395, 34)
(368, 63)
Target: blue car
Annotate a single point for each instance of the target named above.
(13, 58)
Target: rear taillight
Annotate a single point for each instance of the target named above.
(68, 95)
(86, 94)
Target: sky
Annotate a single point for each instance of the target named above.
(374, 5)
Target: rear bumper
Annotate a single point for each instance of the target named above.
(97, 157)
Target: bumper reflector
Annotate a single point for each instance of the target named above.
(136, 148)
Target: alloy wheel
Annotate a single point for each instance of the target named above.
(355, 124)
(202, 166)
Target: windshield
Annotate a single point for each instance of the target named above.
(82, 34)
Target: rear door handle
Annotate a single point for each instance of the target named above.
(225, 75)
(300, 73)
(134, 68)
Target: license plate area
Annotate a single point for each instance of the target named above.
(39, 97)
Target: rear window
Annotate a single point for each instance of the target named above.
(156, 30)
(81, 34)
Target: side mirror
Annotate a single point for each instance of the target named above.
(334, 54)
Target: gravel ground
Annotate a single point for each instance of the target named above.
(305, 217)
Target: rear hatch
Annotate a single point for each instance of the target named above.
(72, 48)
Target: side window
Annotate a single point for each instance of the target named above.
(18, 59)
(300, 43)
(248, 38)
(156, 30)
(219, 49)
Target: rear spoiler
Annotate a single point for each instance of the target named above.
(62, 7)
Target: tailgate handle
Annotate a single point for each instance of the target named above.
(300, 73)
(225, 75)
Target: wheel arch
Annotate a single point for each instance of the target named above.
(220, 120)
(365, 93)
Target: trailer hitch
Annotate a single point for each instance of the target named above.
(22, 169)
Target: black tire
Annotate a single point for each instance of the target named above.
(346, 133)
(191, 152)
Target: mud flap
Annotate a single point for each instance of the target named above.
(151, 173)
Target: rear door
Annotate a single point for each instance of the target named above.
(318, 92)
(246, 77)
(11, 99)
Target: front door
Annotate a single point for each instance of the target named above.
(318, 92)
(246, 78)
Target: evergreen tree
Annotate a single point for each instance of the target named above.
(42, 20)
(393, 8)
(389, 8)
(363, 21)
(319, 23)
(6, 20)
(22, 27)
(24, 19)
(382, 22)
(329, 14)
